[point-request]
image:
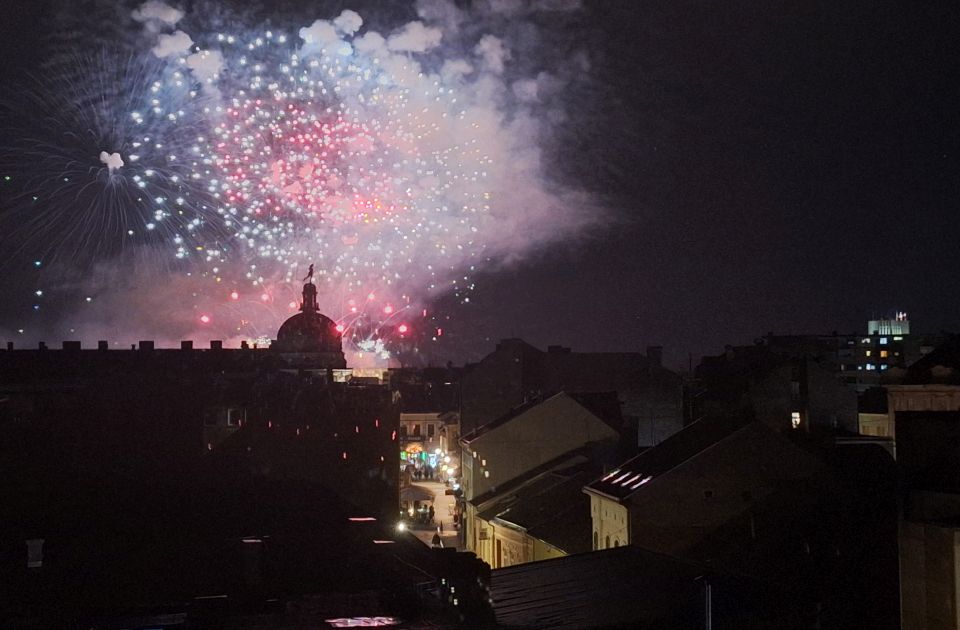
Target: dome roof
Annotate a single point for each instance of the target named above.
(309, 330)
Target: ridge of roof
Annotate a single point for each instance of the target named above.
(679, 448)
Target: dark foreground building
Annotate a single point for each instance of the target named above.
(210, 481)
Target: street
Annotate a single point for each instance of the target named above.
(443, 505)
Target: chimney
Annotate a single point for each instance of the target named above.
(655, 355)
(146, 345)
(9, 345)
(216, 344)
(103, 345)
(42, 345)
(186, 345)
(244, 345)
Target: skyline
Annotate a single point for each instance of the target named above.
(790, 173)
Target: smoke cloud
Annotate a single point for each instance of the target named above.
(486, 97)
(176, 43)
(113, 161)
(415, 37)
(155, 14)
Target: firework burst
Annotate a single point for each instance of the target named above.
(248, 156)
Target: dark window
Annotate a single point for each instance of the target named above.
(212, 416)
(707, 494)
(235, 417)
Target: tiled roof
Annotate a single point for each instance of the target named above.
(505, 418)
(604, 405)
(678, 448)
(555, 511)
(566, 460)
(625, 587)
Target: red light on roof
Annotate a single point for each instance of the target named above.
(361, 519)
(265, 297)
(340, 328)
(234, 295)
(387, 309)
(205, 319)
(402, 328)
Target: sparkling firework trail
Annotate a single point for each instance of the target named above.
(248, 156)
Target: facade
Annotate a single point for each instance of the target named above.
(516, 372)
(861, 361)
(522, 440)
(540, 515)
(742, 498)
(784, 391)
(670, 496)
(149, 448)
(422, 442)
(924, 418)
(929, 561)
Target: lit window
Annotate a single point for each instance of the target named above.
(883, 367)
(883, 341)
(865, 340)
(869, 352)
(898, 338)
(884, 354)
(870, 366)
(795, 419)
(486, 474)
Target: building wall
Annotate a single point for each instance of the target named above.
(545, 551)
(921, 398)
(516, 546)
(510, 547)
(672, 513)
(494, 386)
(876, 424)
(611, 523)
(555, 426)
(929, 570)
(808, 389)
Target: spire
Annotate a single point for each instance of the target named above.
(309, 304)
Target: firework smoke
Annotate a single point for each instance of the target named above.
(398, 162)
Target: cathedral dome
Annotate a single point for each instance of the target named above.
(309, 330)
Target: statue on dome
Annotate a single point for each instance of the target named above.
(309, 276)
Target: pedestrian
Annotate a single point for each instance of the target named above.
(441, 527)
(431, 513)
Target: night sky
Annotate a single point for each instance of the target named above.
(790, 168)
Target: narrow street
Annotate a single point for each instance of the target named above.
(443, 505)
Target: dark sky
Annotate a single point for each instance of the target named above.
(787, 167)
